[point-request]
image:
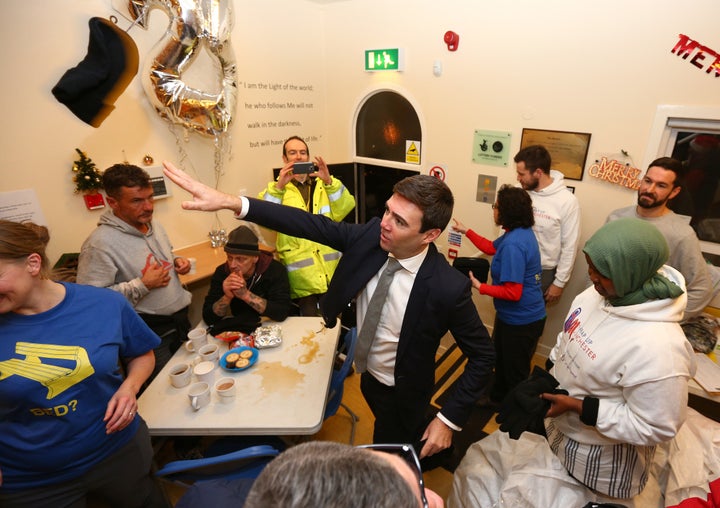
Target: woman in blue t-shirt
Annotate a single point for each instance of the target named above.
(517, 295)
(69, 426)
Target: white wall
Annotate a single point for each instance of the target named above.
(601, 68)
(43, 39)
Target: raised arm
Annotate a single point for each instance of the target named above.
(204, 198)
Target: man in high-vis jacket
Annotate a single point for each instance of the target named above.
(310, 265)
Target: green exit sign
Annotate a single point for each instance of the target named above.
(384, 60)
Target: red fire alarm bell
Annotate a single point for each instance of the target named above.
(452, 40)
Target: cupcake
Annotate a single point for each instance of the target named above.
(231, 360)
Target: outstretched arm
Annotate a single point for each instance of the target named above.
(204, 198)
(284, 219)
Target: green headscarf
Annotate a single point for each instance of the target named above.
(629, 252)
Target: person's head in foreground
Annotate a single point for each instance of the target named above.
(624, 257)
(326, 474)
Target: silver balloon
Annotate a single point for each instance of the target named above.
(194, 24)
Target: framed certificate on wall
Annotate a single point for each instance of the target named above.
(568, 149)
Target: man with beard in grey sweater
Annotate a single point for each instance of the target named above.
(130, 253)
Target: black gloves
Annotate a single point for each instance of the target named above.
(523, 410)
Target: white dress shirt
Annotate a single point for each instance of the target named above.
(381, 358)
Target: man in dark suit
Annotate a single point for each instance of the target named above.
(427, 298)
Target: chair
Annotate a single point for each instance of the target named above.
(337, 383)
(244, 463)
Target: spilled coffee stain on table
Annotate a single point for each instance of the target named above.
(313, 348)
(279, 377)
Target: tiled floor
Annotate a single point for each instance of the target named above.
(337, 428)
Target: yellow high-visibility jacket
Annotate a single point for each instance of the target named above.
(310, 265)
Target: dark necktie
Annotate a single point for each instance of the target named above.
(372, 315)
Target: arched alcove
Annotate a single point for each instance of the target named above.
(384, 123)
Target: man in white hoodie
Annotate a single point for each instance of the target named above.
(557, 217)
(130, 253)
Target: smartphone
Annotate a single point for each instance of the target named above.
(303, 168)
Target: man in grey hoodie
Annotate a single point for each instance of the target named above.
(131, 254)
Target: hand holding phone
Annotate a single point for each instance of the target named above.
(303, 168)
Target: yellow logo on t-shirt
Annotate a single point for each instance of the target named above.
(56, 379)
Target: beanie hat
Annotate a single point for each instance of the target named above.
(242, 241)
(91, 88)
(630, 252)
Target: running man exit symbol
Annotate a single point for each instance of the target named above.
(384, 60)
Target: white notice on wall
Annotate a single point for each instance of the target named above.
(21, 205)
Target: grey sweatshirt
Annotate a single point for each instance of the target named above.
(685, 255)
(114, 255)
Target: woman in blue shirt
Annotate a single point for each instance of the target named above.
(517, 295)
(69, 426)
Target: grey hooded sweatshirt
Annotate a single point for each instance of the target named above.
(114, 255)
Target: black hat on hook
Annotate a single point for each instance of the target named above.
(91, 88)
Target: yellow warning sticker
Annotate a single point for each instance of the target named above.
(412, 152)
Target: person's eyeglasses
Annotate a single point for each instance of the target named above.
(407, 453)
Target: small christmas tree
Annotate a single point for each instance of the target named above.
(87, 178)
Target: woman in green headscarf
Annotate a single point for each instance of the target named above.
(624, 361)
(625, 255)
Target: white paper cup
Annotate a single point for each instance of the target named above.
(209, 352)
(225, 387)
(180, 375)
(199, 395)
(193, 265)
(204, 371)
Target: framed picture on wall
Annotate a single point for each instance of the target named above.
(568, 149)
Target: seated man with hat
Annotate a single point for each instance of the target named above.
(249, 285)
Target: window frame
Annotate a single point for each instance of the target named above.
(671, 119)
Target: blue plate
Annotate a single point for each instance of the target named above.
(252, 359)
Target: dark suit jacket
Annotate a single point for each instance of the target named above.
(440, 301)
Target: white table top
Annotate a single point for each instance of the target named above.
(698, 390)
(283, 393)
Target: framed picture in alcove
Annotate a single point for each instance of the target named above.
(568, 149)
